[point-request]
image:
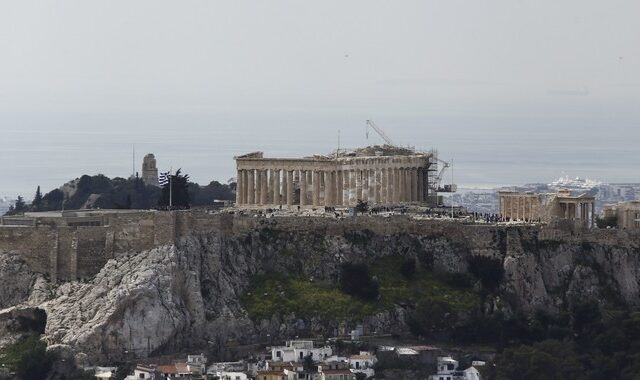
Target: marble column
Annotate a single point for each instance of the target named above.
(263, 187)
(251, 188)
(401, 183)
(512, 209)
(303, 188)
(384, 185)
(410, 184)
(245, 186)
(284, 188)
(258, 185)
(395, 173)
(358, 173)
(377, 174)
(289, 187)
(334, 187)
(371, 174)
(406, 185)
(309, 174)
(353, 187)
(321, 193)
(413, 173)
(275, 186)
(346, 193)
(328, 193)
(364, 173)
(239, 187)
(420, 185)
(316, 188)
(339, 188)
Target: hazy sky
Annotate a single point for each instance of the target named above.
(524, 89)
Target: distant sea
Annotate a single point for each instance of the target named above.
(49, 150)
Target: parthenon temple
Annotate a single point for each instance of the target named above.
(382, 176)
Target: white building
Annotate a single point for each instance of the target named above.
(448, 370)
(363, 362)
(238, 366)
(142, 372)
(223, 375)
(196, 364)
(471, 373)
(297, 350)
(105, 372)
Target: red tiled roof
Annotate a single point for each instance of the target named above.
(336, 372)
(181, 367)
(270, 372)
(168, 369)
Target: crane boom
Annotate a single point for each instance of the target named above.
(380, 132)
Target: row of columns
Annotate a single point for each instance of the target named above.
(519, 207)
(330, 187)
(582, 212)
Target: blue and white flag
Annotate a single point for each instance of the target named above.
(163, 179)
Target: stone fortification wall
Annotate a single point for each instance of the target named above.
(68, 252)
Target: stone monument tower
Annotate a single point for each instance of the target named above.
(150, 170)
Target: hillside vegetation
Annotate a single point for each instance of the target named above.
(102, 192)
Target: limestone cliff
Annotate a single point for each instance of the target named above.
(188, 295)
(16, 279)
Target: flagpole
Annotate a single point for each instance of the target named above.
(170, 189)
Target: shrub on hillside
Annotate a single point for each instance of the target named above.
(488, 270)
(356, 280)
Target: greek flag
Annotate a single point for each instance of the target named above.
(163, 179)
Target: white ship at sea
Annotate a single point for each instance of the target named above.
(567, 182)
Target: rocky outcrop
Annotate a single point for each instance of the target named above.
(188, 295)
(552, 275)
(16, 279)
(135, 305)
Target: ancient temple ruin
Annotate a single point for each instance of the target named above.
(377, 175)
(547, 207)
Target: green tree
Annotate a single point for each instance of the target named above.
(19, 207)
(356, 280)
(308, 364)
(35, 362)
(124, 369)
(432, 316)
(361, 376)
(53, 200)
(36, 204)
(550, 359)
(178, 190)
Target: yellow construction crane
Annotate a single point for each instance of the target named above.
(379, 131)
(438, 176)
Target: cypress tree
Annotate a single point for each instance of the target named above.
(36, 205)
